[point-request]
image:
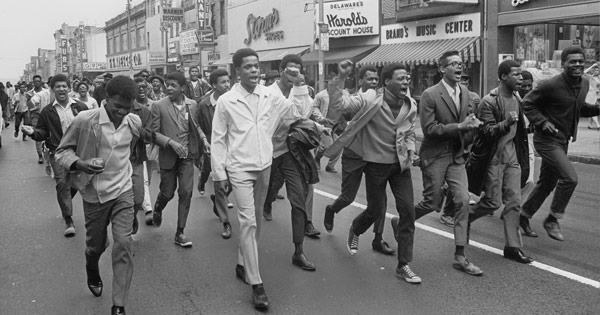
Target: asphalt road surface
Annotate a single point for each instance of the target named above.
(42, 272)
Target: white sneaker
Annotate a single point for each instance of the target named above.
(407, 274)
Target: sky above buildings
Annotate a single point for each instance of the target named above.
(27, 25)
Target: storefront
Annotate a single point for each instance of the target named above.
(534, 32)
(273, 28)
(419, 44)
(353, 32)
(119, 64)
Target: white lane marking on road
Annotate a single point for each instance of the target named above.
(556, 271)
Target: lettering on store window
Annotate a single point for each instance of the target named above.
(517, 2)
(257, 25)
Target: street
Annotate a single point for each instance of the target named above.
(42, 272)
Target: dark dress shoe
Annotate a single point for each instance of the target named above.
(268, 216)
(382, 247)
(311, 231)
(240, 273)
(524, 224)
(226, 230)
(157, 218)
(328, 220)
(302, 262)
(212, 198)
(117, 310)
(517, 255)
(94, 282)
(553, 230)
(259, 297)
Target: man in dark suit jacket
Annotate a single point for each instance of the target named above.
(175, 121)
(448, 123)
(197, 87)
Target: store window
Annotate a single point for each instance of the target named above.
(538, 46)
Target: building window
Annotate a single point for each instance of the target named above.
(123, 39)
(116, 44)
(139, 34)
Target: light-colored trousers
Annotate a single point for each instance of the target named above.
(250, 191)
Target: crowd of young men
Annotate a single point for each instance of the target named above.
(253, 138)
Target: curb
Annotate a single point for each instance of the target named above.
(573, 158)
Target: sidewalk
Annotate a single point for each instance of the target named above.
(585, 150)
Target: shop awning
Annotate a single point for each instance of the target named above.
(427, 52)
(268, 55)
(338, 54)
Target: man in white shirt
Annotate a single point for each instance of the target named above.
(241, 154)
(39, 99)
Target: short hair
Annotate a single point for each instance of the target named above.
(194, 67)
(241, 54)
(82, 83)
(363, 71)
(445, 55)
(389, 69)
(177, 76)
(59, 78)
(570, 50)
(215, 75)
(22, 83)
(505, 66)
(291, 58)
(37, 76)
(139, 80)
(527, 75)
(123, 86)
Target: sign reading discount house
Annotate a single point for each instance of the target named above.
(351, 18)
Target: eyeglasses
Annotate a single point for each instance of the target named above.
(456, 64)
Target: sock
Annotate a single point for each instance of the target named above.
(68, 220)
(460, 251)
(551, 218)
(378, 237)
(179, 230)
(401, 264)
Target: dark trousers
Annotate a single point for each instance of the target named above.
(296, 189)
(64, 192)
(556, 171)
(119, 213)
(376, 178)
(137, 179)
(21, 117)
(436, 172)
(205, 169)
(33, 119)
(352, 169)
(182, 171)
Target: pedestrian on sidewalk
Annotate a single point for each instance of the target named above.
(175, 122)
(449, 124)
(50, 128)
(40, 97)
(502, 144)
(554, 108)
(382, 133)
(21, 109)
(96, 148)
(242, 151)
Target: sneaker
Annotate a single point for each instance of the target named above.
(407, 274)
(182, 240)
(447, 220)
(70, 230)
(352, 245)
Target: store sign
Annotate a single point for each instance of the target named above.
(172, 15)
(91, 66)
(64, 55)
(156, 57)
(518, 2)
(213, 56)
(257, 25)
(352, 18)
(188, 42)
(464, 25)
(138, 59)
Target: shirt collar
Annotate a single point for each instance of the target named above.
(240, 89)
(213, 101)
(71, 101)
(450, 89)
(103, 119)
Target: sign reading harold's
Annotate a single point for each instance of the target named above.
(352, 18)
(464, 25)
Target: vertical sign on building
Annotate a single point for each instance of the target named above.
(64, 55)
(205, 31)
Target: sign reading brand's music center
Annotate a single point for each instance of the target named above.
(457, 26)
(352, 18)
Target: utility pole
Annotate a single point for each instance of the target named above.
(321, 53)
(81, 47)
(129, 38)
